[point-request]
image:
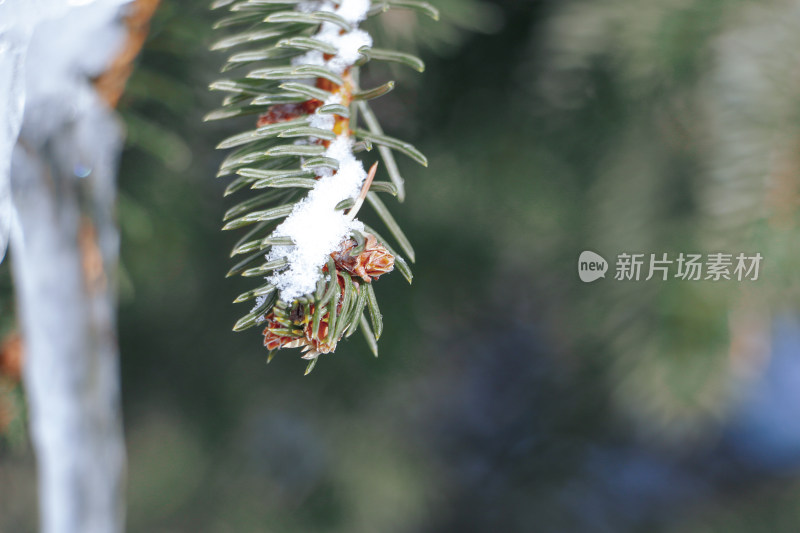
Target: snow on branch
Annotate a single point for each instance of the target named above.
(315, 226)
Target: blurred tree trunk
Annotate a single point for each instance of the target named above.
(64, 255)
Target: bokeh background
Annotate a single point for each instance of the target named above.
(508, 395)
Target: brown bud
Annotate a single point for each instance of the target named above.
(372, 262)
(271, 340)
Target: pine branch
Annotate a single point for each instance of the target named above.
(296, 65)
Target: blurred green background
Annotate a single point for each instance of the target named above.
(508, 396)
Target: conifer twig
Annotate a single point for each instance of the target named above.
(295, 67)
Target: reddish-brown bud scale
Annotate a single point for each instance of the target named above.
(271, 340)
(284, 112)
(373, 262)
